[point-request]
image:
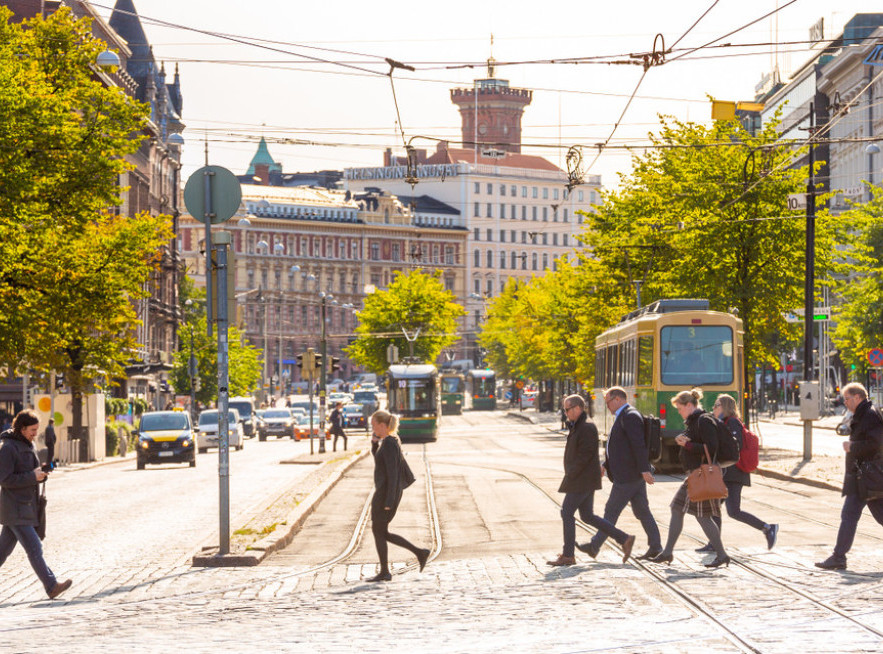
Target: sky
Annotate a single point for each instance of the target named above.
(313, 74)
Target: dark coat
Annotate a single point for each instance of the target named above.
(582, 468)
(18, 483)
(336, 419)
(627, 455)
(700, 429)
(733, 475)
(388, 487)
(866, 443)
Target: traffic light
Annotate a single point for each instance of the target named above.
(317, 361)
(59, 382)
(335, 364)
(300, 362)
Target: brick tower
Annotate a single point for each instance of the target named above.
(491, 112)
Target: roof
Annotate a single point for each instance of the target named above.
(427, 204)
(310, 195)
(263, 157)
(412, 370)
(510, 160)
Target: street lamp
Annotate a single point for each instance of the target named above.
(191, 369)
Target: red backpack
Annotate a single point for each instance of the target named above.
(749, 455)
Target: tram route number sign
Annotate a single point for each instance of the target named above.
(875, 356)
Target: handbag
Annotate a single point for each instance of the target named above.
(405, 473)
(41, 512)
(706, 482)
(869, 475)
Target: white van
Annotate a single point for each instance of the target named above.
(207, 434)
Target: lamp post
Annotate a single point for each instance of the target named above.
(191, 369)
(323, 379)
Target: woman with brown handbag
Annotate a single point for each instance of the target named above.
(698, 441)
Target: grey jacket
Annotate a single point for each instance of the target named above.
(18, 483)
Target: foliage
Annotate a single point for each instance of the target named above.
(139, 406)
(112, 432)
(415, 300)
(859, 320)
(244, 364)
(115, 406)
(70, 268)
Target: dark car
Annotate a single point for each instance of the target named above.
(353, 416)
(367, 398)
(165, 437)
(278, 422)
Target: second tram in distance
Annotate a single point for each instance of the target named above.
(481, 390)
(414, 394)
(453, 385)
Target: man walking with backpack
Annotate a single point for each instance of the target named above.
(627, 464)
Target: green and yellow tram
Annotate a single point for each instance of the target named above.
(481, 390)
(662, 349)
(414, 394)
(453, 385)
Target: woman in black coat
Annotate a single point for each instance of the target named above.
(20, 476)
(700, 432)
(390, 470)
(725, 410)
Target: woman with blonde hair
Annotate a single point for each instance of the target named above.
(726, 410)
(700, 432)
(391, 476)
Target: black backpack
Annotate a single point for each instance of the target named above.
(653, 437)
(727, 444)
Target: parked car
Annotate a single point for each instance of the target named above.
(278, 422)
(353, 416)
(302, 428)
(334, 398)
(165, 437)
(245, 407)
(299, 411)
(207, 436)
(367, 397)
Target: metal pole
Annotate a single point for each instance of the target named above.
(310, 377)
(279, 351)
(223, 238)
(322, 380)
(809, 288)
(192, 379)
(207, 218)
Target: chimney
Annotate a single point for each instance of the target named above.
(262, 172)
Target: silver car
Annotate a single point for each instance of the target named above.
(207, 434)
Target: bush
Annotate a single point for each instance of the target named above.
(112, 437)
(115, 406)
(139, 406)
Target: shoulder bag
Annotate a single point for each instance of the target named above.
(405, 473)
(869, 475)
(41, 512)
(706, 482)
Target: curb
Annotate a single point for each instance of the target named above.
(521, 416)
(209, 558)
(806, 481)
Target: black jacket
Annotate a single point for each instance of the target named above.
(733, 475)
(582, 469)
(18, 483)
(387, 472)
(336, 419)
(700, 429)
(627, 455)
(866, 443)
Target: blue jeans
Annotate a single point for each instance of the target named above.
(853, 506)
(584, 502)
(27, 536)
(620, 496)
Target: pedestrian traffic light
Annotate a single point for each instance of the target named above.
(334, 364)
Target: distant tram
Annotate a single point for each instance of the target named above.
(481, 390)
(453, 385)
(664, 348)
(414, 394)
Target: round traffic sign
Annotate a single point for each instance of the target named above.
(226, 194)
(875, 356)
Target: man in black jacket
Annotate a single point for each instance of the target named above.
(582, 477)
(627, 464)
(337, 425)
(865, 444)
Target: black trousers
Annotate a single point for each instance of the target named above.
(336, 433)
(380, 520)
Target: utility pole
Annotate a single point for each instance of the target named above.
(322, 377)
(809, 287)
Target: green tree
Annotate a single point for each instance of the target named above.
(70, 268)
(244, 363)
(414, 301)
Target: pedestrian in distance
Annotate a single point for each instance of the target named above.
(391, 476)
(726, 411)
(582, 477)
(700, 432)
(865, 444)
(337, 426)
(50, 439)
(627, 465)
(20, 477)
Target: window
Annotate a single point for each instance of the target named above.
(477, 258)
(490, 210)
(477, 188)
(476, 211)
(554, 239)
(502, 189)
(524, 237)
(477, 286)
(503, 211)
(524, 213)
(580, 196)
(489, 258)
(264, 276)
(375, 252)
(592, 197)
(534, 212)
(513, 215)
(449, 255)
(278, 277)
(545, 238)
(396, 256)
(449, 283)
(251, 277)
(545, 194)
(534, 192)
(502, 236)
(565, 216)
(513, 260)
(490, 189)
(696, 355)
(477, 234)
(502, 259)
(534, 261)
(524, 260)
(545, 260)
(564, 239)
(490, 287)
(490, 235)
(555, 194)
(513, 190)
(511, 235)
(645, 361)
(524, 191)
(545, 214)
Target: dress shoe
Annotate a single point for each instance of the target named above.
(708, 547)
(649, 555)
(627, 548)
(833, 562)
(422, 556)
(771, 534)
(718, 562)
(383, 576)
(563, 560)
(588, 548)
(662, 557)
(59, 588)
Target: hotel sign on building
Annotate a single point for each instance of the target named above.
(400, 172)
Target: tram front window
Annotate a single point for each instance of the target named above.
(413, 396)
(696, 355)
(484, 386)
(451, 385)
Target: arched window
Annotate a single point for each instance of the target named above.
(489, 258)
(534, 261)
(524, 260)
(502, 259)
(477, 258)
(545, 261)
(514, 261)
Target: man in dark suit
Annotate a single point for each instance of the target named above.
(627, 464)
(582, 477)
